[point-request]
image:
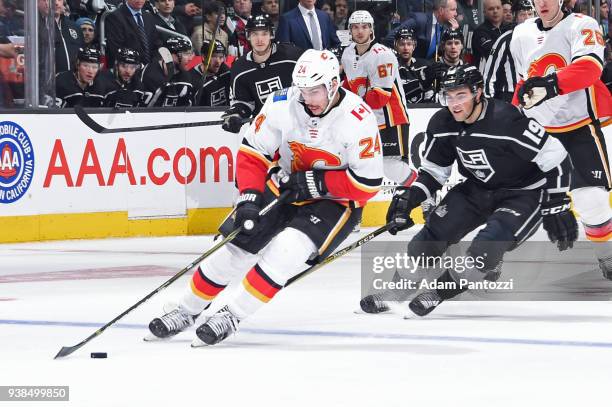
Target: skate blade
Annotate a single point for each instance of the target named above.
(198, 343)
(359, 311)
(152, 338)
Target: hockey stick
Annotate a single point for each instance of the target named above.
(67, 350)
(95, 126)
(339, 253)
(209, 54)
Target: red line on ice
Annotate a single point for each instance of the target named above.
(90, 274)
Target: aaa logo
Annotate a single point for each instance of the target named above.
(16, 162)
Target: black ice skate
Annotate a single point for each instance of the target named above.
(217, 328)
(373, 304)
(170, 324)
(425, 302)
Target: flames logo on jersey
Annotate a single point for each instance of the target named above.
(359, 85)
(259, 121)
(16, 162)
(546, 64)
(304, 157)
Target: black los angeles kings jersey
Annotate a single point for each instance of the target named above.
(159, 91)
(501, 150)
(211, 90)
(68, 92)
(416, 82)
(252, 83)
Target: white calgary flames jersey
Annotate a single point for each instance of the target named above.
(346, 138)
(377, 71)
(540, 52)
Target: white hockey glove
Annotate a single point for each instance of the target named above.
(538, 89)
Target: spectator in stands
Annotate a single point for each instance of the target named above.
(9, 25)
(428, 27)
(508, 18)
(307, 27)
(236, 25)
(165, 18)
(407, 7)
(187, 12)
(488, 32)
(326, 5)
(88, 28)
(341, 14)
(211, 11)
(68, 39)
(272, 9)
(604, 12)
(467, 11)
(129, 26)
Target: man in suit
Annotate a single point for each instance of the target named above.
(165, 18)
(129, 26)
(307, 27)
(428, 27)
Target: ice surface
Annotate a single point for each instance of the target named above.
(306, 347)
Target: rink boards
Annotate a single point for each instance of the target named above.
(61, 180)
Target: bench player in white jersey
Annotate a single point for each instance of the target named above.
(372, 72)
(559, 59)
(319, 142)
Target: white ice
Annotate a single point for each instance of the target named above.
(305, 348)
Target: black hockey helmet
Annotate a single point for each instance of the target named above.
(451, 35)
(519, 5)
(178, 44)
(260, 22)
(128, 56)
(337, 51)
(219, 48)
(88, 54)
(461, 75)
(404, 34)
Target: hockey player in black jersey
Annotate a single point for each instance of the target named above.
(83, 86)
(516, 174)
(169, 87)
(124, 88)
(451, 54)
(414, 72)
(256, 75)
(212, 83)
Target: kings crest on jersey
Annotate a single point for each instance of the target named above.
(345, 138)
(538, 52)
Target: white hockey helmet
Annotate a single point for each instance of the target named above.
(362, 17)
(315, 68)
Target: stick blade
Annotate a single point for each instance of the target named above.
(65, 351)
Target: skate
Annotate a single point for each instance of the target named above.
(605, 265)
(216, 328)
(425, 302)
(373, 304)
(170, 324)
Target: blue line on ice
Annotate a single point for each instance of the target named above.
(337, 334)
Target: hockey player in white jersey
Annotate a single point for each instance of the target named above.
(320, 143)
(559, 59)
(372, 72)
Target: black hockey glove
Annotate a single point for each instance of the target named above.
(403, 202)
(538, 89)
(235, 117)
(247, 210)
(303, 185)
(559, 222)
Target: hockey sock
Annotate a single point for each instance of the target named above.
(202, 290)
(257, 289)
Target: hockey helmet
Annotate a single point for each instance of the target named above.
(178, 44)
(451, 35)
(315, 68)
(259, 22)
(459, 76)
(219, 48)
(404, 34)
(362, 17)
(128, 56)
(88, 54)
(522, 5)
(337, 51)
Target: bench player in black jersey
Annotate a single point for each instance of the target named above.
(82, 86)
(256, 75)
(124, 88)
(517, 177)
(213, 86)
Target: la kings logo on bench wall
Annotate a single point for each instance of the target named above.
(476, 161)
(268, 86)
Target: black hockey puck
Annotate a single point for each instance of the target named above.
(99, 355)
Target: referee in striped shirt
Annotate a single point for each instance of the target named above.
(500, 74)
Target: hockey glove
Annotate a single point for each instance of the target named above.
(235, 117)
(538, 89)
(403, 202)
(559, 222)
(303, 185)
(247, 210)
